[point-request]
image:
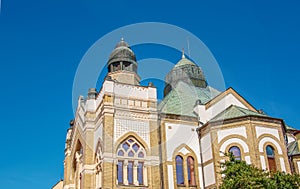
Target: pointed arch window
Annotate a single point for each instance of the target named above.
(185, 171)
(179, 170)
(236, 152)
(271, 158)
(131, 160)
(99, 166)
(191, 171)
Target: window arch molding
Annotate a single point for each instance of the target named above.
(276, 156)
(134, 135)
(185, 156)
(268, 139)
(77, 162)
(226, 143)
(99, 164)
(242, 153)
(131, 162)
(77, 150)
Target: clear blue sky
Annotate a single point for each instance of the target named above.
(42, 42)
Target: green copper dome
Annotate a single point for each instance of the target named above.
(187, 71)
(183, 62)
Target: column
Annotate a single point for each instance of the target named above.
(135, 178)
(100, 179)
(145, 176)
(125, 178)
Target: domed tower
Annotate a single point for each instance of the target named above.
(122, 65)
(186, 71)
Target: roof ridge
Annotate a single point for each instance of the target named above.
(229, 113)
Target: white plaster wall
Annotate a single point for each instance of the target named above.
(200, 176)
(298, 163)
(282, 164)
(126, 91)
(201, 112)
(98, 135)
(224, 103)
(247, 159)
(90, 105)
(290, 138)
(59, 185)
(263, 162)
(265, 130)
(123, 126)
(184, 151)
(132, 91)
(107, 87)
(209, 174)
(170, 177)
(234, 131)
(234, 140)
(179, 134)
(268, 139)
(206, 147)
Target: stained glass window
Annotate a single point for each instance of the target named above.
(271, 158)
(120, 153)
(130, 172)
(125, 146)
(140, 172)
(141, 155)
(132, 151)
(191, 171)
(179, 170)
(120, 172)
(236, 152)
(131, 154)
(135, 147)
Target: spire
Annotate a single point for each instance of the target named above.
(183, 56)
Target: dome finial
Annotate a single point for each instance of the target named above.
(183, 56)
(122, 39)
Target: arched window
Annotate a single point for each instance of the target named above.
(191, 171)
(99, 166)
(271, 158)
(131, 158)
(185, 167)
(78, 165)
(236, 152)
(179, 170)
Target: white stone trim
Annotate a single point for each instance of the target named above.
(265, 130)
(209, 174)
(170, 177)
(248, 159)
(69, 186)
(233, 131)
(263, 163)
(282, 164)
(298, 164)
(123, 126)
(206, 147)
(231, 141)
(269, 139)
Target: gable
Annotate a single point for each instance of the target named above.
(226, 99)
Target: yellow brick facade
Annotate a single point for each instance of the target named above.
(99, 153)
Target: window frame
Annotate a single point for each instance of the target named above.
(271, 159)
(131, 157)
(239, 158)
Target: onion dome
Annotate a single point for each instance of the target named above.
(187, 71)
(122, 58)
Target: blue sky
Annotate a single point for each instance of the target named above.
(42, 42)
